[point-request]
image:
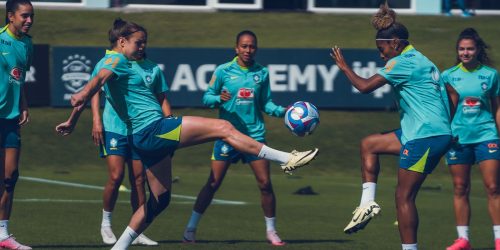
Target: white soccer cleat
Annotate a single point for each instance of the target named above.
(108, 237)
(274, 239)
(361, 217)
(189, 235)
(11, 243)
(299, 159)
(144, 241)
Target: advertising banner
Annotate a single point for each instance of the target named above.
(295, 74)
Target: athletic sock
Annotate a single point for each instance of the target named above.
(194, 220)
(273, 154)
(106, 218)
(270, 222)
(496, 231)
(409, 246)
(463, 232)
(4, 229)
(368, 193)
(125, 240)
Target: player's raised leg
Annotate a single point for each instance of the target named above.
(371, 147)
(197, 130)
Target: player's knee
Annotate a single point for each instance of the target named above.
(266, 188)
(10, 182)
(226, 128)
(492, 189)
(366, 145)
(154, 207)
(115, 178)
(461, 189)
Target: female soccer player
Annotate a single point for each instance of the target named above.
(17, 51)
(155, 137)
(240, 89)
(117, 150)
(424, 113)
(475, 97)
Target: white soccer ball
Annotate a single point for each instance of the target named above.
(302, 118)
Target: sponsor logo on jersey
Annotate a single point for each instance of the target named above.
(245, 96)
(471, 105)
(456, 79)
(435, 74)
(406, 152)
(16, 73)
(76, 72)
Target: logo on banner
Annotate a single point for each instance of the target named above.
(76, 73)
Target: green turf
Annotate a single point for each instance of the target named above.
(306, 222)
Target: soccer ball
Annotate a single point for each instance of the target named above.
(302, 118)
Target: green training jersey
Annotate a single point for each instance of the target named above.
(153, 78)
(473, 121)
(15, 60)
(250, 96)
(129, 94)
(419, 94)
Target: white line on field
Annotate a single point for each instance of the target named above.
(78, 185)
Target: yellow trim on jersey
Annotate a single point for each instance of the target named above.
(420, 165)
(4, 28)
(407, 48)
(173, 135)
(111, 52)
(10, 33)
(241, 67)
(464, 69)
(104, 152)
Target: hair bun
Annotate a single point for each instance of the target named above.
(384, 17)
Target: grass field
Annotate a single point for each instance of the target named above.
(54, 216)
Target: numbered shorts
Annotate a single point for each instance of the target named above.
(225, 152)
(473, 153)
(423, 155)
(10, 135)
(116, 144)
(158, 140)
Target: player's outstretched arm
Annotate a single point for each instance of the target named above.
(68, 126)
(80, 99)
(363, 85)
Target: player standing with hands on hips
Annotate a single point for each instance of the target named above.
(17, 52)
(241, 91)
(424, 114)
(155, 137)
(475, 94)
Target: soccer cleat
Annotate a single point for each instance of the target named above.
(460, 244)
(299, 159)
(108, 237)
(274, 239)
(361, 217)
(497, 244)
(144, 241)
(11, 243)
(189, 235)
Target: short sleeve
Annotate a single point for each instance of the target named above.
(117, 64)
(396, 71)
